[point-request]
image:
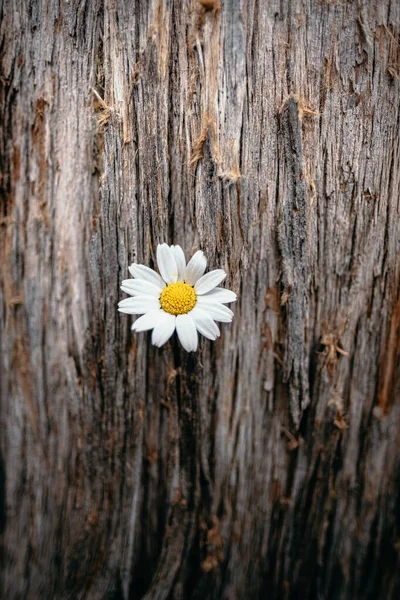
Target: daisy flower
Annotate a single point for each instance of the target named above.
(180, 298)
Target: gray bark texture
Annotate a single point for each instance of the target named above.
(267, 464)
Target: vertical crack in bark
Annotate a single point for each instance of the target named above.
(294, 252)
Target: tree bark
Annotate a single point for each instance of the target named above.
(266, 464)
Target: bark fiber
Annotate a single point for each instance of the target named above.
(266, 465)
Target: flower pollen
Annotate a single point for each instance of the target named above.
(178, 298)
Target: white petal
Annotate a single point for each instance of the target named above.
(138, 305)
(163, 330)
(195, 267)
(187, 333)
(166, 263)
(204, 323)
(128, 291)
(217, 311)
(209, 281)
(143, 272)
(180, 261)
(221, 295)
(147, 321)
(140, 287)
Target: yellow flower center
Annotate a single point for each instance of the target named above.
(178, 298)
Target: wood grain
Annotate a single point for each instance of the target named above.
(266, 134)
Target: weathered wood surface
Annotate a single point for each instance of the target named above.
(267, 464)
